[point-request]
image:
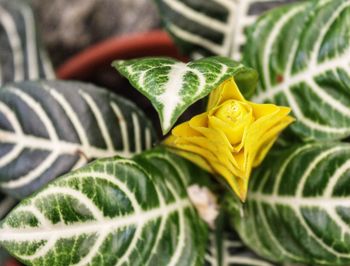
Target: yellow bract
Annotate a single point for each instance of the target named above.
(232, 137)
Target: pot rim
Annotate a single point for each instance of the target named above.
(152, 43)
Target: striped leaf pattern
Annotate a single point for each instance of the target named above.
(212, 27)
(113, 211)
(298, 206)
(173, 86)
(302, 53)
(22, 56)
(48, 128)
(228, 250)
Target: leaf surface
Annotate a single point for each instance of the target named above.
(113, 211)
(173, 86)
(302, 52)
(298, 206)
(48, 128)
(212, 27)
(22, 56)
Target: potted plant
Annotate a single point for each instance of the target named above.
(98, 187)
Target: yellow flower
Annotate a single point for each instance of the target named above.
(232, 137)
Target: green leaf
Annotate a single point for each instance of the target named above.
(302, 53)
(298, 206)
(113, 211)
(48, 128)
(173, 86)
(211, 27)
(22, 56)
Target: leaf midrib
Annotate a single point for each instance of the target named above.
(312, 70)
(297, 202)
(62, 147)
(67, 231)
(303, 76)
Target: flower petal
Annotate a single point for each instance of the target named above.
(233, 134)
(264, 110)
(228, 90)
(223, 146)
(262, 135)
(211, 151)
(184, 130)
(210, 133)
(238, 185)
(269, 139)
(196, 159)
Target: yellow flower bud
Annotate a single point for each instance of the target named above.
(232, 137)
(232, 118)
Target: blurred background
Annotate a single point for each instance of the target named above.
(69, 26)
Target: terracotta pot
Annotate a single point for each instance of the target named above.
(84, 64)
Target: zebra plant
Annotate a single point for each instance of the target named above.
(114, 211)
(298, 206)
(179, 85)
(212, 27)
(304, 58)
(304, 63)
(48, 128)
(134, 207)
(22, 56)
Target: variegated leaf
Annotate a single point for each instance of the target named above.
(22, 56)
(212, 27)
(298, 206)
(112, 212)
(302, 53)
(229, 250)
(48, 128)
(173, 86)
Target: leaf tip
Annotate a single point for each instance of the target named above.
(117, 63)
(165, 129)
